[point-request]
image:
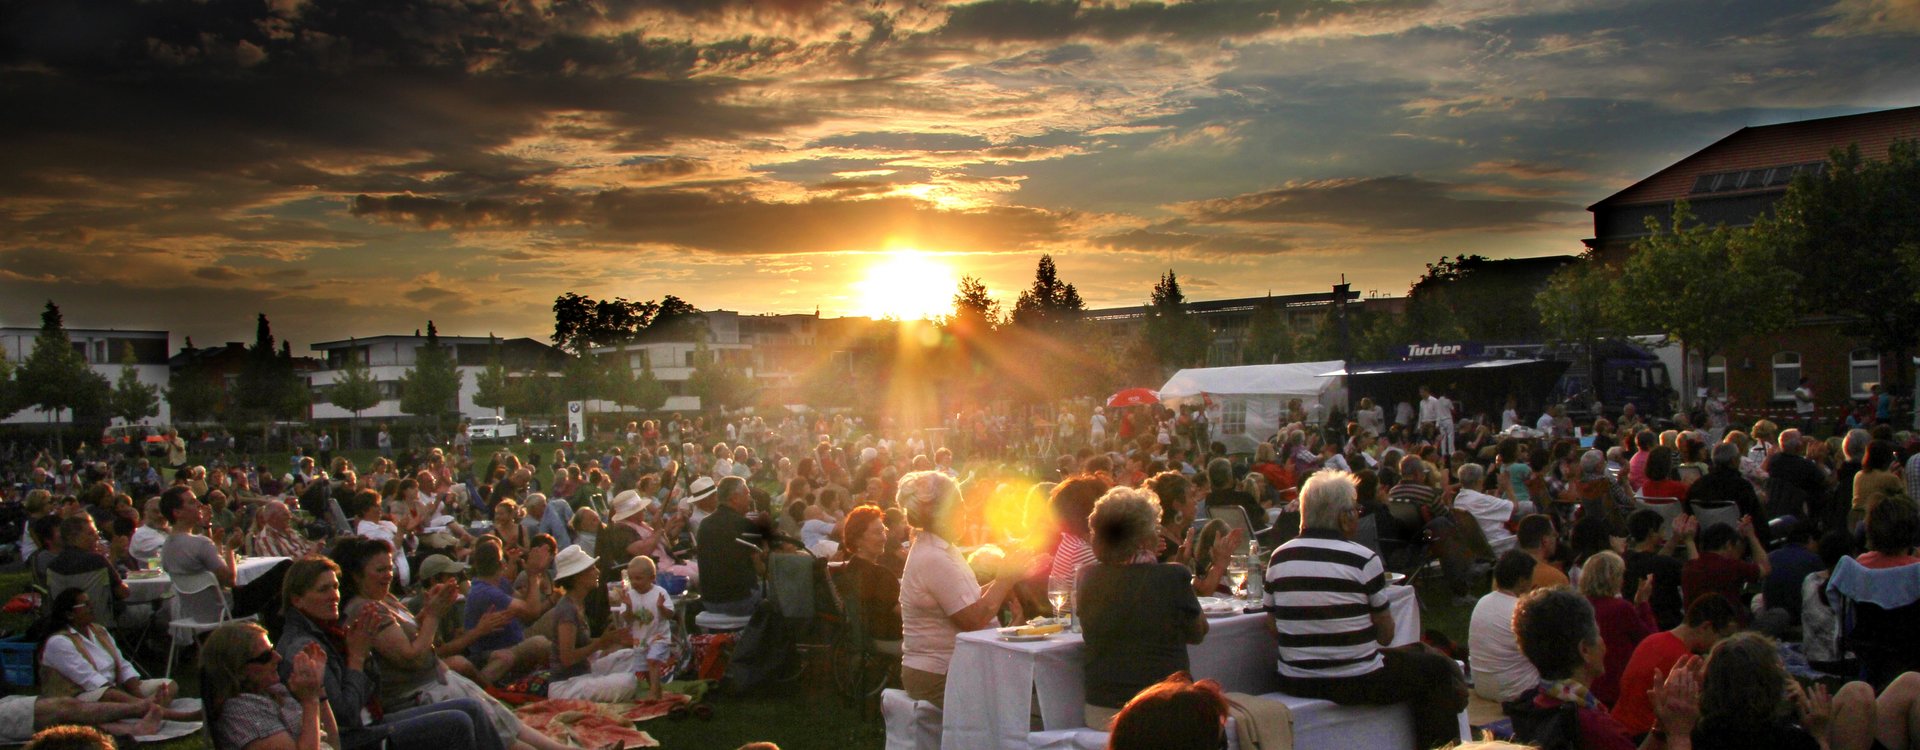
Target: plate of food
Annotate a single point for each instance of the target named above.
(1029, 633)
(1395, 579)
(1215, 606)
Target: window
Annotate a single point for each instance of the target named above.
(1786, 374)
(1717, 374)
(1863, 367)
(1233, 416)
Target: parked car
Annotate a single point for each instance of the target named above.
(492, 428)
(152, 438)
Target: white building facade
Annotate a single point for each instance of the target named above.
(103, 349)
(388, 358)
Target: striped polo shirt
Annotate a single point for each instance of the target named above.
(1322, 591)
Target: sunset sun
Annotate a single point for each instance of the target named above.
(906, 285)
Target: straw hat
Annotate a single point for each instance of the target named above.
(700, 489)
(628, 503)
(571, 561)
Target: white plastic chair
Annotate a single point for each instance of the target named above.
(196, 608)
(911, 724)
(1669, 508)
(1721, 512)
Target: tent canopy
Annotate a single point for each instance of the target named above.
(1294, 380)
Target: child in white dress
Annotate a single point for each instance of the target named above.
(649, 610)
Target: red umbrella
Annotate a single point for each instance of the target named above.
(1134, 397)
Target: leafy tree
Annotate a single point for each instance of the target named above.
(616, 377)
(131, 399)
(1049, 302)
(535, 393)
(974, 311)
(431, 388)
(192, 392)
(355, 389)
(582, 379)
(1174, 337)
(645, 392)
(1706, 286)
(1577, 307)
(1472, 297)
(9, 387)
(718, 383)
(268, 388)
(1269, 339)
(55, 376)
(581, 323)
(1845, 232)
(493, 389)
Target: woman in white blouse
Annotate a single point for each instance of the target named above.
(939, 596)
(80, 659)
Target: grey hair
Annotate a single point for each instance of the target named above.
(1790, 441)
(1726, 454)
(1592, 462)
(1854, 447)
(1327, 497)
(1123, 521)
(1411, 465)
(1220, 473)
(1472, 474)
(1602, 575)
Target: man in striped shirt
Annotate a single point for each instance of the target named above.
(1328, 599)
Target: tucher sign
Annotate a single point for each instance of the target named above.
(1416, 351)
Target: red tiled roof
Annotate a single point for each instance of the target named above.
(1774, 145)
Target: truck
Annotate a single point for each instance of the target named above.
(1608, 376)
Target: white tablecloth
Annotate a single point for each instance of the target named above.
(148, 588)
(991, 684)
(245, 571)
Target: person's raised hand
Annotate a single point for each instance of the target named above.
(440, 598)
(309, 669)
(1675, 696)
(1019, 564)
(1816, 708)
(360, 632)
(1746, 525)
(1643, 593)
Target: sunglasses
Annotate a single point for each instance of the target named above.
(265, 657)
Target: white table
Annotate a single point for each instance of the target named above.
(246, 569)
(147, 587)
(991, 684)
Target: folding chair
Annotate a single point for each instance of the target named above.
(198, 606)
(1669, 508)
(1711, 513)
(1235, 517)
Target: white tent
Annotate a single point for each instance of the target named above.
(1252, 400)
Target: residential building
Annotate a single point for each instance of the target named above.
(103, 349)
(388, 358)
(1733, 181)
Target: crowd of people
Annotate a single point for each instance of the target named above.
(415, 584)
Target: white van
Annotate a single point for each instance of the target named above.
(492, 428)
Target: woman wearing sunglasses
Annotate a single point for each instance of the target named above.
(250, 708)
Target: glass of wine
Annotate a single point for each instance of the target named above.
(1058, 596)
(1237, 574)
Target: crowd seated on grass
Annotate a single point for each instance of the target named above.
(430, 580)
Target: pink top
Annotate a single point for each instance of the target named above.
(1623, 625)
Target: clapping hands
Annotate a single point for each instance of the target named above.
(309, 670)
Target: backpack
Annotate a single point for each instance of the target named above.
(1556, 728)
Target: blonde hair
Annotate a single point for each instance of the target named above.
(1602, 575)
(641, 567)
(223, 663)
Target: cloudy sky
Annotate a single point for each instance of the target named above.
(354, 167)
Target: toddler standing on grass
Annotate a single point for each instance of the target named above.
(649, 609)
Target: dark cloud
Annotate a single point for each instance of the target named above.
(1197, 20)
(1395, 204)
(733, 222)
(1200, 244)
(217, 273)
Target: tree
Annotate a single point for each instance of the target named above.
(56, 377)
(1174, 337)
(582, 379)
(718, 383)
(535, 393)
(644, 391)
(268, 389)
(1049, 302)
(131, 399)
(616, 377)
(431, 388)
(975, 313)
(354, 389)
(9, 387)
(1845, 231)
(492, 387)
(1269, 339)
(193, 393)
(581, 323)
(1576, 307)
(1706, 286)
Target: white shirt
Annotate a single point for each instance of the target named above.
(1403, 413)
(146, 543)
(91, 665)
(644, 622)
(1500, 671)
(1372, 420)
(937, 583)
(1492, 514)
(1430, 410)
(1097, 424)
(1803, 400)
(1544, 423)
(1509, 418)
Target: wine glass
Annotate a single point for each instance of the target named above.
(1237, 573)
(1058, 596)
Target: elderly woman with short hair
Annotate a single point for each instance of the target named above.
(1623, 624)
(939, 596)
(1138, 614)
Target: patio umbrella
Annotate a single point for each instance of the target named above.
(1134, 397)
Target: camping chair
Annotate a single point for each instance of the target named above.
(862, 666)
(198, 607)
(1879, 634)
(1408, 550)
(1669, 508)
(1713, 512)
(1235, 517)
